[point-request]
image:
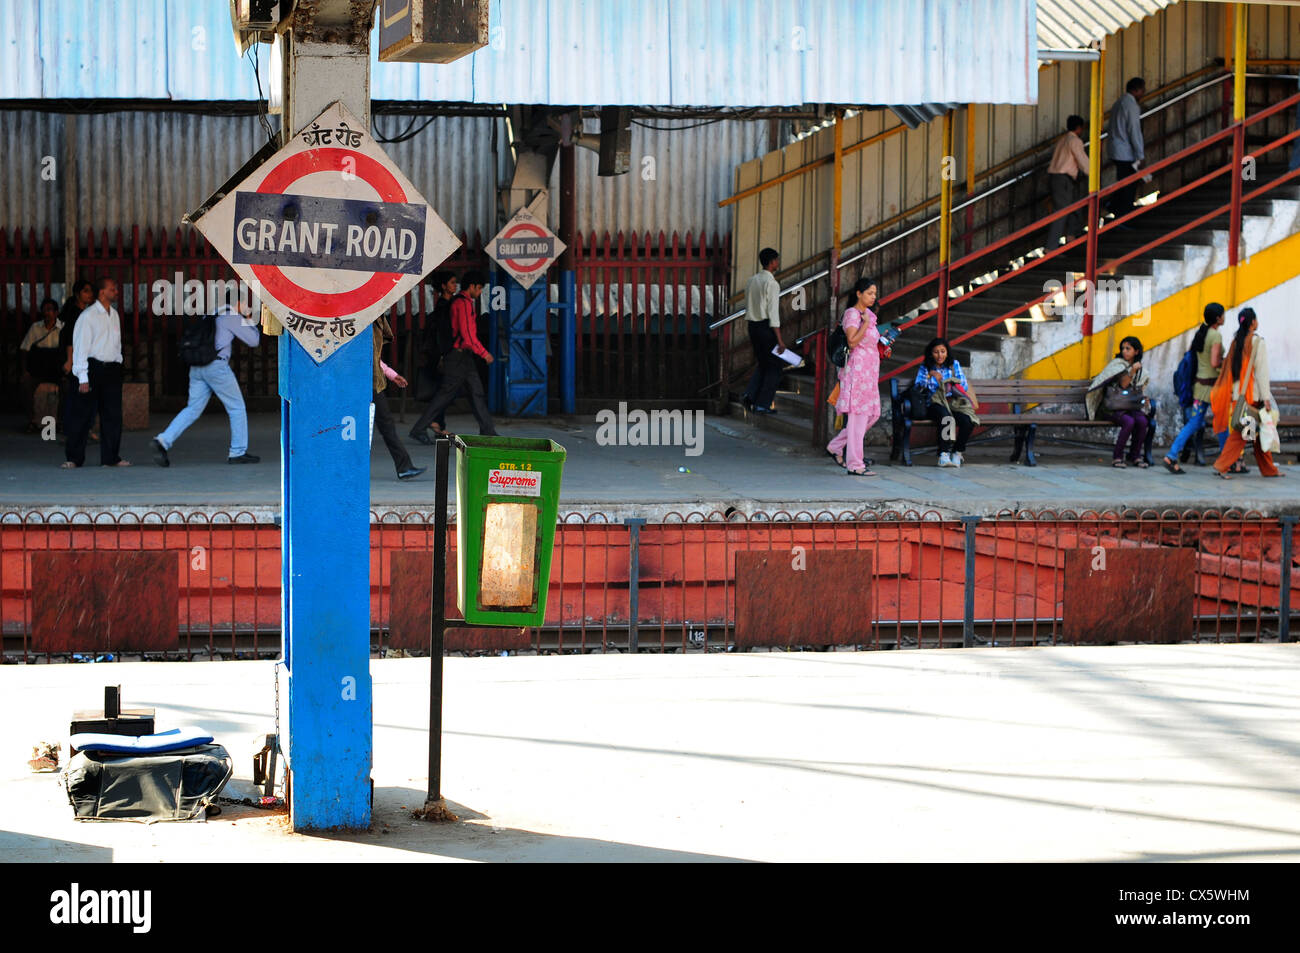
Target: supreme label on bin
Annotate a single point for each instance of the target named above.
(515, 482)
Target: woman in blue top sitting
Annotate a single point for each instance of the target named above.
(952, 401)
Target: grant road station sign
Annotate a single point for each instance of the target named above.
(525, 248)
(328, 232)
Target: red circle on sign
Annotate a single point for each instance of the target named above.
(314, 303)
(530, 229)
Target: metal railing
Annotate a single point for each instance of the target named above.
(970, 202)
(671, 586)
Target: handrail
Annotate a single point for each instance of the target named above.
(1227, 132)
(977, 197)
(902, 127)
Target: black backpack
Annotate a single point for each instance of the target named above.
(438, 338)
(837, 346)
(198, 340)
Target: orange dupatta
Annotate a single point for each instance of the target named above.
(1221, 394)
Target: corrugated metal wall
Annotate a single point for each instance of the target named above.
(679, 172)
(149, 168)
(900, 172)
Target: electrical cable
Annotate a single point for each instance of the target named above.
(261, 98)
(409, 133)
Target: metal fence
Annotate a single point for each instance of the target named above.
(936, 581)
(644, 306)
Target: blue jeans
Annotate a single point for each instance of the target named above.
(215, 378)
(1195, 421)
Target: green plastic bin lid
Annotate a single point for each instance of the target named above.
(474, 445)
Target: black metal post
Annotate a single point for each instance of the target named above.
(438, 622)
(968, 611)
(1284, 596)
(633, 524)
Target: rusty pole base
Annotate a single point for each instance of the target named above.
(435, 811)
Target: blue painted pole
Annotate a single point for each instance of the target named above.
(568, 341)
(325, 485)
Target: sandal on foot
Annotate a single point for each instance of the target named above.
(862, 473)
(838, 458)
(1119, 464)
(1172, 466)
(68, 465)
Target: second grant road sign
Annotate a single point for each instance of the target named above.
(328, 232)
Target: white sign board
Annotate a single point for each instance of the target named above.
(525, 248)
(328, 232)
(515, 482)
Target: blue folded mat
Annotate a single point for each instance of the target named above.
(174, 740)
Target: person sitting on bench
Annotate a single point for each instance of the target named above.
(1117, 393)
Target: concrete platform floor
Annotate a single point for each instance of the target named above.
(738, 467)
(1130, 753)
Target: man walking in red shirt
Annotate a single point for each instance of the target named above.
(458, 369)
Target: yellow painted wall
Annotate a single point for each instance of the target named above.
(1174, 315)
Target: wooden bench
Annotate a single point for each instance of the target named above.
(1016, 396)
(1287, 394)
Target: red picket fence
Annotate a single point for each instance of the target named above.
(932, 581)
(644, 306)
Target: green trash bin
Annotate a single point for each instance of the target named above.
(507, 500)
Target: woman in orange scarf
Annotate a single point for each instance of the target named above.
(1243, 386)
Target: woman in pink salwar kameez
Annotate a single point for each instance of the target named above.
(859, 380)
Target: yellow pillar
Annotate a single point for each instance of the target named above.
(1238, 114)
(837, 187)
(1239, 64)
(946, 176)
(970, 149)
(1094, 203)
(1094, 126)
(945, 191)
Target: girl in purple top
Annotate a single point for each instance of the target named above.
(859, 379)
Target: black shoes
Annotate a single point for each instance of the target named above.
(411, 474)
(246, 458)
(421, 437)
(160, 454)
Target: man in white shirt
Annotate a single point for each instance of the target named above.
(216, 377)
(763, 319)
(97, 366)
(1069, 162)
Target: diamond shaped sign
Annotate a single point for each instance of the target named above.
(328, 232)
(525, 247)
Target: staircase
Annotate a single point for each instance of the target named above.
(794, 408)
(993, 348)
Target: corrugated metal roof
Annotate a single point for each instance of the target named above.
(565, 52)
(765, 52)
(127, 166)
(1075, 24)
(122, 49)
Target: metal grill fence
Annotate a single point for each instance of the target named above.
(937, 581)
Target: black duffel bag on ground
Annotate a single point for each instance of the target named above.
(172, 786)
